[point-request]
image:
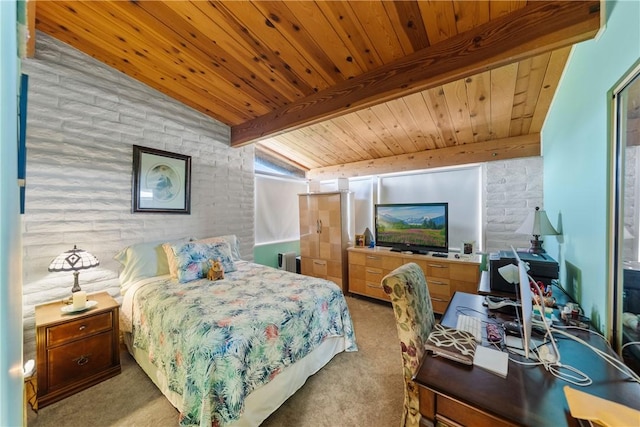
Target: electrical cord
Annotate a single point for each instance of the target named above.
(552, 363)
(629, 343)
(612, 360)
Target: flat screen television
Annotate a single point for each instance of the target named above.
(415, 227)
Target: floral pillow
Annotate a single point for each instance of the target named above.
(192, 259)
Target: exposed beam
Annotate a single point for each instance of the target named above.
(499, 149)
(538, 27)
(31, 28)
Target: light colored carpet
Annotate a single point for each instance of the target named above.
(363, 388)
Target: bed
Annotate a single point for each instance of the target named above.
(230, 352)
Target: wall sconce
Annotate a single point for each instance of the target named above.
(537, 224)
(74, 260)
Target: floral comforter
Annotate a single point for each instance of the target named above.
(217, 341)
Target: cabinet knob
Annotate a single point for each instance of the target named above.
(82, 327)
(82, 360)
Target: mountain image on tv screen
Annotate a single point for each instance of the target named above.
(412, 225)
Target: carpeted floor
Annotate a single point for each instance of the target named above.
(363, 388)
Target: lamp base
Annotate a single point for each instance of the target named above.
(76, 285)
(536, 246)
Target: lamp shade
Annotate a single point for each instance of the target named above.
(74, 260)
(537, 224)
(510, 273)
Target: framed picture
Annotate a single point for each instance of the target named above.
(161, 181)
(359, 239)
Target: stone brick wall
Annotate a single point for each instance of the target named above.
(83, 119)
(513, 188)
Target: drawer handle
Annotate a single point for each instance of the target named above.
(319, 263)
(435, 282)
(437, 266)
(374, 286)
(82, 327)
(439, 299)
(373, 272)
(82, 360)
(373, 257)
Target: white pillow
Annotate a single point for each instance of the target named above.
(143, 260)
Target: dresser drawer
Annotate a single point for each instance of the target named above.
(373, 260)
(373, 275)
(436, 269)
(439, 287)
(80, 359)
(75, 329)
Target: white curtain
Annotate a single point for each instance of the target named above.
(276, 208)
(461, 188)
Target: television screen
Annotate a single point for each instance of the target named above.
(416, 227)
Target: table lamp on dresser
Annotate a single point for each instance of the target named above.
(73, 260)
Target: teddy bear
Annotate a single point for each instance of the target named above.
(216, 271)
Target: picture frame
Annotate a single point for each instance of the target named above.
(360, 240)
(161, 181)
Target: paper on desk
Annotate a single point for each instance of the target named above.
(492, 360)
(605, 412)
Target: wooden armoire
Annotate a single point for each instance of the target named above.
(326, 231)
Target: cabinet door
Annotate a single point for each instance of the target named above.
(309, 227)
(330, 227)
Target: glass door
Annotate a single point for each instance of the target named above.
(626, 219)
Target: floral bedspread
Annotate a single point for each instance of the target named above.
(217, 341)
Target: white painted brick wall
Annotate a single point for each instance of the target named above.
(83, 118)
(513, 188)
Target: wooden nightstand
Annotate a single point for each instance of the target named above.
(75, 350)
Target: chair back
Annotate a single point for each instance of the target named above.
(407, 289)
(409, 294)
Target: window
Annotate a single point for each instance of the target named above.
(460, 187)
(277, 214)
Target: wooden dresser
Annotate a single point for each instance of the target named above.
(75, 350)
(445, 276)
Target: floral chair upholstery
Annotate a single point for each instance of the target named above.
(407, 288)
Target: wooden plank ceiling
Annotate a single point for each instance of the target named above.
(345, 88)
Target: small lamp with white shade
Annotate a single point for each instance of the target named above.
(74, 260)
(537, 224)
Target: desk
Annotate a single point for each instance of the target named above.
(530, 396)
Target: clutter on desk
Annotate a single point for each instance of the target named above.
(452, 343)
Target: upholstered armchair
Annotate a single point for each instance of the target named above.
(407, 288)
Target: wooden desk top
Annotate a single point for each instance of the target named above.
(529, 395)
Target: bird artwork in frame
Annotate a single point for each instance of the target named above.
(161, 181)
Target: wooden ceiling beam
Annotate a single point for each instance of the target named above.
(536, 28)
(497, 149)
(31, 28)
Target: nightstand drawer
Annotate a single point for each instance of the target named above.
(75, 329)
(80, 359)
